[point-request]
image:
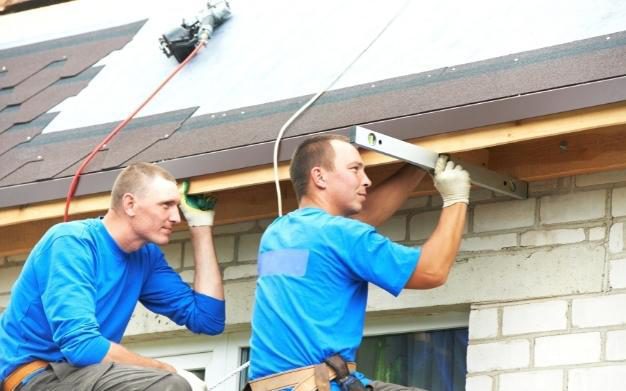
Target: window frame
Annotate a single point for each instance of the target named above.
(225, 350)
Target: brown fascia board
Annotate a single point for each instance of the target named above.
(408, 127)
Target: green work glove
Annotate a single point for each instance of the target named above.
(452, 182)
(197, 208)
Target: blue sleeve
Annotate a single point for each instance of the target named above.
(373, 257)
(165, 293)
(66, 275)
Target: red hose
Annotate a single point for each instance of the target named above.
(119, 127)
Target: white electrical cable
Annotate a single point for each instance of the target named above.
(314, 98)
(231, 374)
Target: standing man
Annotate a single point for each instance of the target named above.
(315, 265)
(80, 284)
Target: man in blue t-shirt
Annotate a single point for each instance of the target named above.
(315, 264)
(80, 284)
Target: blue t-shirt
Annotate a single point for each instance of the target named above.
(314, 270)
(77, 292)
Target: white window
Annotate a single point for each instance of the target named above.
(213, 358)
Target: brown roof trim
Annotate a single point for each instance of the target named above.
(436, 122)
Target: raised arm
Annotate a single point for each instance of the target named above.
(207, 278)
(440, 250)
(385, 199)
(198, 211)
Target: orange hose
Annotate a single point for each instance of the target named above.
(118, 128)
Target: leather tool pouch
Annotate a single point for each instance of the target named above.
(346, 380)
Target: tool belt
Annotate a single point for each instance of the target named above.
(313, 377)
(16, 377)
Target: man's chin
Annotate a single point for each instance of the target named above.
(355, 210)
(161, 240)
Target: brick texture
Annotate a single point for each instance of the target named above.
(569, 349)
(537, 381)
(504, 215)
(605, 378)
(498, 355)
(483, 323)
(599, 311)
(588, 205)
(535, 317)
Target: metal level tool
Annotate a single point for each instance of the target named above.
(426, 159)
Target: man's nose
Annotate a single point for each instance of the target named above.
(366, 180)
(175, 215)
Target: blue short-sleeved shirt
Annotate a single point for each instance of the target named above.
(314, 270)
(77, 292)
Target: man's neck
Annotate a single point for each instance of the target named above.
(313, 202)
(120, 232)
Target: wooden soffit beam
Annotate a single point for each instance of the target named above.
(234, 188)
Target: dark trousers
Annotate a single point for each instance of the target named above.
(104, 377)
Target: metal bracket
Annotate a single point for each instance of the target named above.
(426, 159)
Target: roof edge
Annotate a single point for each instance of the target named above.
(445, 122)
(472, 139)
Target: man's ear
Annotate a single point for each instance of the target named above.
(128, 203)
(317, 176)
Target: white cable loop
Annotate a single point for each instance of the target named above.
(231, 374)
(314, 98)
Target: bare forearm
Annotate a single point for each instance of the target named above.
(440, 250)
(207, 278)
(119, 354)
(385, 199)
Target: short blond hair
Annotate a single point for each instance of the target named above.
(133, 179)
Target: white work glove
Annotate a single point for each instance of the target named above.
(452, 182)
(198, 208)
(193, 380)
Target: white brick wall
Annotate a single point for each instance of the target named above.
(4, 300)
(415, 203)
(597, 233)
(588, 205)
(552, 237)
(8, 275)
(556, 352)
(483, 323)
(510, 275)
(422, 225)
(599, 311)
(617, 276)
(498, 355)
(618, 202)
(479, 383)
(492, 243)
(568, 349)
(536, 381)
(534, 317)
(616, 238)
(242, 271)
(606, 378)
(542, 187)
(504, 215)
(248, 247)
(173, 253)
(616, 345)
(394, 228)
(601, 178)
(224, 249)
